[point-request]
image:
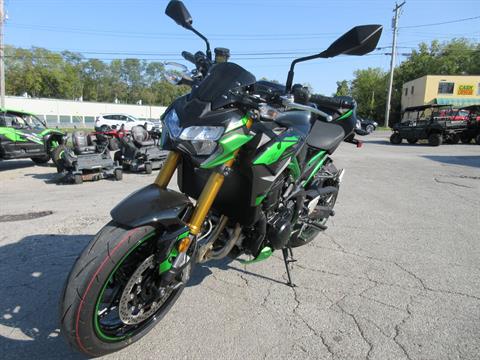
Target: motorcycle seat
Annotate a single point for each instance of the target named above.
(325, 136)
(81, 144)
(141, 136)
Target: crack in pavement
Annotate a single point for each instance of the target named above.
(360, 330)
(310, 327)
(416, 277)
(397, 329)
(451, 183)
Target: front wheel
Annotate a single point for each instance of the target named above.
(396, 139)
(435, 139)
(114, 294)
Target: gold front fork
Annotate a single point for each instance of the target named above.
(168, 168)
(207, 197)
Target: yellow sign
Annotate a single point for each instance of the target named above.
(465, 90)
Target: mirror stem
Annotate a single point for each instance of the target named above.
(294, 62)
(209, 52)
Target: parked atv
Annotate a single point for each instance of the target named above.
(427, 122)
(140, 150)
(88, 160)
(24, 135)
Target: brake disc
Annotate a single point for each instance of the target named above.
(133, 312)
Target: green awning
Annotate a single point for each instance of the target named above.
(457, 101)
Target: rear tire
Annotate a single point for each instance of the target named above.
(148, 168)
(395, 139)
(118, 174)
(77, 179)
(454, 139)
(465, 139)
(100, 283)
(57, 155)
(370, 128)
(435, 139)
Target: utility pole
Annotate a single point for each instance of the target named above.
(396, 10)
(2, 58)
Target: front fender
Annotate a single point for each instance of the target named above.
(151, 205)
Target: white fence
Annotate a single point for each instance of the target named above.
(67, 113)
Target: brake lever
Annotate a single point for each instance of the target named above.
(289, 103)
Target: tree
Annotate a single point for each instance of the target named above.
(342, 88)
(369, 90)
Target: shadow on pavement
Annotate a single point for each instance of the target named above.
(49, 178)
(15, 164)
(32, 274)
(465, 160)
(387, 142)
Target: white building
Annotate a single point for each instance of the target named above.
(67, 113)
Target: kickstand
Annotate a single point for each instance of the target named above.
(287, 259)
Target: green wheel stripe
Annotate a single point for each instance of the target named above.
(95, 315)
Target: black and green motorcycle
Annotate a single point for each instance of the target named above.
(24, 135)
(254, 155)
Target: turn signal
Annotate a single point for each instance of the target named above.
(184, 243)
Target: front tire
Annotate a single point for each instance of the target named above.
(435, 139)
(98, 316)
(395, 139)
(370, 128)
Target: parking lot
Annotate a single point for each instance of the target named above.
(396, 275)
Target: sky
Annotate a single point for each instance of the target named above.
(263, 36)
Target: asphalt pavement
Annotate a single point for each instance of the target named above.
(395, 276)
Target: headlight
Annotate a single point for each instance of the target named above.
(172, 123)
(202, 133)
(203, 138)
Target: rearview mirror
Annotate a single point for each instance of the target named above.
(360, 40)
(179, 13)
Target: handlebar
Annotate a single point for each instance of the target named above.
(189, 57)
(331, 102)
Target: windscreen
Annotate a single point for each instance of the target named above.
(221, 82)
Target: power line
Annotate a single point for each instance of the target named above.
(439, 23)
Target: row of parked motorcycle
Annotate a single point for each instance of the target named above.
(106, 154)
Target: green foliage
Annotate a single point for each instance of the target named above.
(369, 89)
(342, 88)
(42, 73)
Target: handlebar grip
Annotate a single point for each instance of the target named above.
(188, 56)
(331, 102)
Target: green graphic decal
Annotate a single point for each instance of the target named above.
(229, 144)
(294, 168)
(264, 255)
(346, 115)
(12, 134)
(168, 262)
(322, 156)
(275, 151)
(259, 199)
